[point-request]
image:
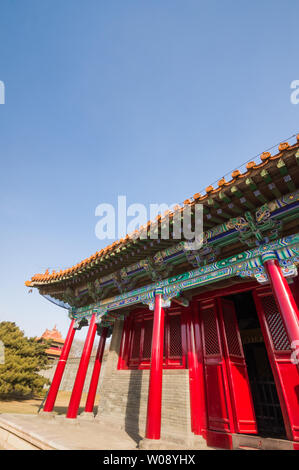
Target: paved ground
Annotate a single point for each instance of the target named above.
(30, 406)
(43, 432)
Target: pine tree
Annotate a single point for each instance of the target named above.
(24, 358)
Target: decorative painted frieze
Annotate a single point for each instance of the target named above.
(288, 269)
(71, 298)
(156, 267)
(168, 294)
(148, 298)
(284, 201)
(95, 290)
(253, 230)
(205, 255)
(244, 264)
(122, 281)
(257, 229)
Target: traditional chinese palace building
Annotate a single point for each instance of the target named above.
(203, 345)
(56, 342)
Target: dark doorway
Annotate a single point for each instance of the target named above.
(264, 394)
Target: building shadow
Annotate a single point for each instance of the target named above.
(133, 405)
(62, 410)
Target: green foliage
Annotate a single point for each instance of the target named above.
(24, 357)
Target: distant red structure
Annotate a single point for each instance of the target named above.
(57, 342)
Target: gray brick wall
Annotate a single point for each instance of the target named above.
(124, 394)
(70, 372)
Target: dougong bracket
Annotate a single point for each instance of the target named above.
(256, 229)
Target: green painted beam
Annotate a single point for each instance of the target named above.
(237, 193)
(253, 187)
(223, 214)
(275, 190)
(289, 182)
(215, 219)
(266, 176)
(213, 203)
(224, 197)
(283, 170)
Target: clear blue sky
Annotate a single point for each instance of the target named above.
(150, 99)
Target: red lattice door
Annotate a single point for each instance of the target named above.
(285, 373)
(147, 339)
(241, 398)
(219, 411)
(135, 349)
(173, 339)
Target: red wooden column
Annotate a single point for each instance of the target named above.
(195, 371)
(81, 374)
(96, 373)
(52, 394)
(153, 423)
(284, 298)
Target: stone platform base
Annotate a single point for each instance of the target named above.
(40, 432)
(194, 443)
(247, 442)
(54, 432)
(47, 415)
(86, 416)
(35, 432)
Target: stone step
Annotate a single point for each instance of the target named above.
(260, 443)
(247, 448)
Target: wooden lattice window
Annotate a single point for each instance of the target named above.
(139, 330)
(174, 337)
(135, 343)
(275, 324)
(210, 332)
(231, 332)
(147, 338)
